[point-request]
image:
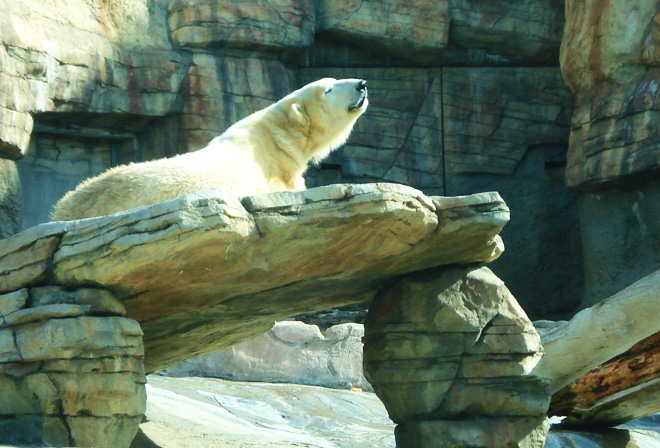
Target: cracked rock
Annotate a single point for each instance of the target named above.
(452, 346)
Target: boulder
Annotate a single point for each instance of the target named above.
(293, 352)
(456, 362)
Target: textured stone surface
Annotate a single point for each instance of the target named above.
(29, 264)
(180, 240)
(482, 33)
(509, 31)
(493, 433)
(620, 228)
(609, 59)
(293, 352)
(414, 29)
(492, 116)
(607, 41)
(100, 301)
(68, 379)
(46, 61)
(451, 351)
(425, 125)
(217, 93)
(253, 25)
(614, 132)
(10, 199)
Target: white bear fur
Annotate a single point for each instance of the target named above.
(268, 151)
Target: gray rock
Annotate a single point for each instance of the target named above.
(293, 352)
(70, 381)
(44, 313)
(100, 301)
(10, 198)
(85, 337)
(495, 433)
(11, 302)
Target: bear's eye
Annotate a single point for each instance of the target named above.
(329, 90)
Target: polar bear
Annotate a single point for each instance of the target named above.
(268, 151)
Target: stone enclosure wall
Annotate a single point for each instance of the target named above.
(465, 97)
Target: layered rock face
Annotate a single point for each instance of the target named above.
(454, 359)
(609, 58)
(168, 76)
(71, 369)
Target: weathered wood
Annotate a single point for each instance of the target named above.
(597, 334)
(623, 389)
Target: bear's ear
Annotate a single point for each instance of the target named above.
(297, 115)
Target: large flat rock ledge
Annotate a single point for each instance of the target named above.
(207, 271)
(82, 302)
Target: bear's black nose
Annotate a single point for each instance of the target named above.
(362, 84)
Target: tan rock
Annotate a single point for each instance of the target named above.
(613, 132)
(118, 430)
(253, 25)
(508, 432)
(606, 41)
(490, 374)
(46, 60)
(85, 337)
(180, 241)
(44, 313)
(13, 301)
(608, 58)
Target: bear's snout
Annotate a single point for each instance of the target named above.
(362, 85)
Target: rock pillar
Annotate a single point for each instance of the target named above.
(454, 359)
(71, 371)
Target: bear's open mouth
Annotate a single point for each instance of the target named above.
(360, 102)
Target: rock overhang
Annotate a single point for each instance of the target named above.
(208, 270)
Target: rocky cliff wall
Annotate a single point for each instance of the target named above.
(609, 59)
(465, 97)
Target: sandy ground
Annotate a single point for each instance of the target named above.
(210, 413)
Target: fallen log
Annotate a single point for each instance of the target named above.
(622, 389)
(597, 334)
(604, 363)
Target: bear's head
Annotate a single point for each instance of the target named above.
(325, 111)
